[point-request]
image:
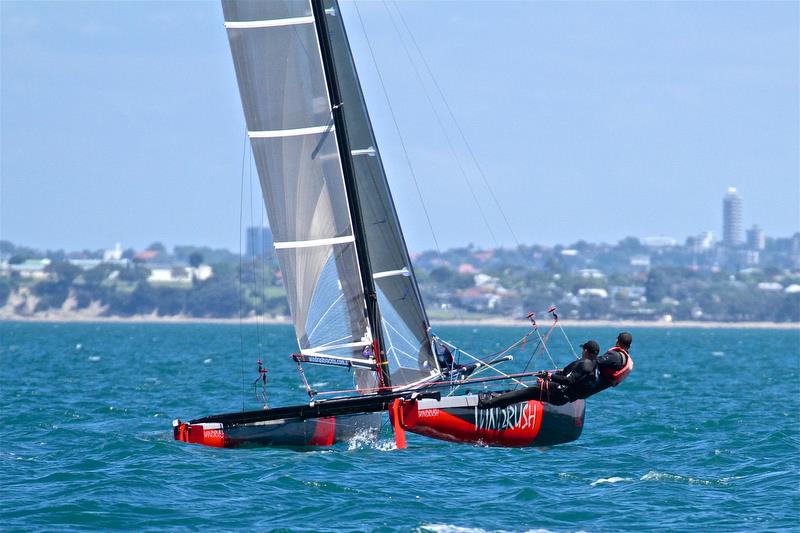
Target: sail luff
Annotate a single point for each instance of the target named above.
(345, 154)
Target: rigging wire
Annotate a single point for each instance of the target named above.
(254, 259)
(241, 261)
(569, 343)
(441, 126)
(397, 128)
(458, 126)
(467, 145)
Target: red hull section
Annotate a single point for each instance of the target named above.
(293, 432)
(458, 419)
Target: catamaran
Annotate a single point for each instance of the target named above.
(352, 293)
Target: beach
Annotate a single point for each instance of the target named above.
(90, 315)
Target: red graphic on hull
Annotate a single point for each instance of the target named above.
(324, 432)
(514, 426)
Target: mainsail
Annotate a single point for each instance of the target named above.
(288, 109)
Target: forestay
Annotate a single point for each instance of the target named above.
(286, 105)
(405, 323)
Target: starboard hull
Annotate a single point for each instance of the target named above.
(459, 419)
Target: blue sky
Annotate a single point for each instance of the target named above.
(121, 121)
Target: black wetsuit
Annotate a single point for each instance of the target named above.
(613, 360)
(577, 380)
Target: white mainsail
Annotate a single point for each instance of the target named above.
(281, 75)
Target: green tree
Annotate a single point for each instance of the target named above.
(97, 275)
(170, 301)
(195, 259)
(134, 273)
(51, 294)
(157, 247)
(64, 271)
(5, 292)
(657, 286)
(214, 297)
(143, 299)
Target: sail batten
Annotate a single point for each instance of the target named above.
(289, 133)
(315, 242)
(251, 24)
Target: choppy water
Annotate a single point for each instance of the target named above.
(704, 435)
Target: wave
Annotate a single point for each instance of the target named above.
(451, 528)
(614, 479)
(664, 476)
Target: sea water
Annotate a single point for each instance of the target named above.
(704, 435)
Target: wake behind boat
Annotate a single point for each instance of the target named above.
(351, 287)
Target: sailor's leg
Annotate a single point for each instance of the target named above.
(508, 398)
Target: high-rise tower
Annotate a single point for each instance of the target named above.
(732, 227)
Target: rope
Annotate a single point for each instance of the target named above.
(484, 362)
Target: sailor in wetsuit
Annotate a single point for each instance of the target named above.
(616, 363)
(577, 380)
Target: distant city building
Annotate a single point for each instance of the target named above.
(35, 269)
(704, 241)
(640, 262)
(593, 293)
(259, 241)
(660, 242)
(591, 273)
(113, 255)
(732, 226)
(756, 240)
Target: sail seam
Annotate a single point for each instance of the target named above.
(251, 24)
(265, 134)
(315, 242)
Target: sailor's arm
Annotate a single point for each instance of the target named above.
(567, 375)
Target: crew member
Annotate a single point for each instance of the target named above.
(577, 380)
(616, 363)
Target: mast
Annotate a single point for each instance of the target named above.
(359, 233)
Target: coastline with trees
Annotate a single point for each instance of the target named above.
(591, 284)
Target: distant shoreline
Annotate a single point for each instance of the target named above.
(497, 322)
